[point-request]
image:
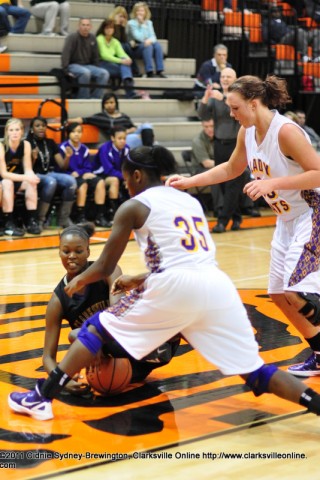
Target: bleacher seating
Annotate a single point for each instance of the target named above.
(30, 58)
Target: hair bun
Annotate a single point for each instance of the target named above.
(88, 227)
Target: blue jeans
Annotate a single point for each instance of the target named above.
(129, 51)
(49, 182)
(134, 139)
(117, 69)
(148, 53)
(87, 74)
(21, 15)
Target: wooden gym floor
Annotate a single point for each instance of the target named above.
(186, 420)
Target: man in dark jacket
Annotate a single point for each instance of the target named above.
(80, 58)
(209, 71)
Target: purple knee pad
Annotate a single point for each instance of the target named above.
(91, 341)
(259, 380)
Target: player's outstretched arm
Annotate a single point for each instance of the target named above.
(218, 174)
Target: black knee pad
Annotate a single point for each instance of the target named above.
(313, 304)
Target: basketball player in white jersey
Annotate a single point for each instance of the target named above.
(287, 174)
(183, 292)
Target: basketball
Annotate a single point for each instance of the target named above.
(109, 376)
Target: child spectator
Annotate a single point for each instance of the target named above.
(108, 163)
(79, 165)
(46, 160)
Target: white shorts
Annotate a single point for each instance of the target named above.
(202, 304)
(287, 257)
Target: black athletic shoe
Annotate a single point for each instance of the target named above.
(80, 218)
(33, 227)
(219, 228)
(11, 229)
(161, 75)
(236, 225)
(101, 221)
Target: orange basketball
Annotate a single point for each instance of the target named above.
(109, 375)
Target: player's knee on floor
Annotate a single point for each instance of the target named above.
(311, 310)
(259, 380)
(92, 334)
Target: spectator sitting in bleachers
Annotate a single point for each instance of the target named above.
(80, 58)
(120, 17)
(227, 6)
(19, 13)
(314, 137)
(48, 10)
(114, 59)
(313, 11)
(147, 47)
(276, 31)
(79, 165)
(108, 163)
(293, 116)
(111, 117)
(17, 176)
(3, 33)
(46, 159)
(210, 70)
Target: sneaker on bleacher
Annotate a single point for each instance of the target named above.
(12, 230)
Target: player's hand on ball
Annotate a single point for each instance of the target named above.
(76, 388)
